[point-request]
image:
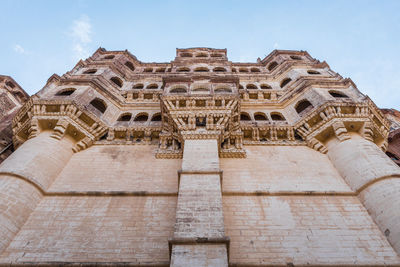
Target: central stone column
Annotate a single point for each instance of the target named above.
(199, 237)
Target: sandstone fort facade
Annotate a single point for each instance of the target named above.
(198, 162)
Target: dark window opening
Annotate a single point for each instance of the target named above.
(337, 94)
(244, 117)
(91, 71)
(125, 117)
(285, 82)
(260, 117)
(66, 92)
(99, 105)
(117, 81)
(272, 65)
(303, 105)
(130, 65)
(156, 117)
(277, 117)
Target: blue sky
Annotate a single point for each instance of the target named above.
(358, 39)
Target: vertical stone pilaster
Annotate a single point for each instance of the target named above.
(199, 237)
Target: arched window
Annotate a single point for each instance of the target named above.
(66, 92)
(337, 94)
(117, 81)
(285, 82)
(313, 72)
(255, 70)
(276, 116)
(295, 57)
(130, 65)
(265, 86)
(259, 116)
(243, 70)
(152, 86)
(186, 55)
(99, 104)
(125, 117)
(223, 90)
(201, 55)
(178, 90)
(303, 105)
(201, 69)
(138, 86)
(251, 86)
(233, 69)
(241, 86)
(217, 55)
(142, 117)
(156, 117)
(219, 69)
(148, 70)
(183, 69)
(160, 70)
(109, 57)
(90, 71)
(272, 65)
(10, 84)
(244, 116)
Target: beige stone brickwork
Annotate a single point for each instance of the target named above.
(200, 161)
(299, 230)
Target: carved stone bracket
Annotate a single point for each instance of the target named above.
(338, 119)
(61, 117)
(201, 117)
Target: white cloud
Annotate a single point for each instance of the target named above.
(19, 49)
(81, 31)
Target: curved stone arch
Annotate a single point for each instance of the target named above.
(66, 91)
(117, 81)
(260, 116)
(245, 116)
(138, 86)
(251, 86)
(223, 89)
(126, 116)
(99, 104)
(303, 105)
(152, 86)
(141, 117)
(178, 88)
(201, 69)
(265, 86)
(156, 117)
(337, 94)
(277, 116)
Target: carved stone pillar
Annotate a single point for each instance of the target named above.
(352, 135)
(199, 237)
(24, 176)
(376, 179)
